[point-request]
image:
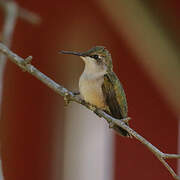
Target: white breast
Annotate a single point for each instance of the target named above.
(90, 87)
(90, 82)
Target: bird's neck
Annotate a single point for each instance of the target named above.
(91, 69)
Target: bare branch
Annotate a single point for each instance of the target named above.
(29, 16)
(11, 12)
(174, 175)
(69, 96)
(20, 12)
(171, 156)
(10, 16)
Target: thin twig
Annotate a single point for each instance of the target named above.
(29, 16)
(69, 96)
(11, 12)
(21, 12)
(10, 16)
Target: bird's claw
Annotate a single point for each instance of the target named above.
(76, 93)
(126, 120)
(111, 124)
(92, 108)
(66, 99)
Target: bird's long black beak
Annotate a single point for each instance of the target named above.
(72, 52)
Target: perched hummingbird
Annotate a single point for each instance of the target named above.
(99, 85)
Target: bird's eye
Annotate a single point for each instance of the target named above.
(95, 57)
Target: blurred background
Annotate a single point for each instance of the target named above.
(42, 139)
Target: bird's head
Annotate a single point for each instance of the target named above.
(96, 57)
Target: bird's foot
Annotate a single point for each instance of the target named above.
(92, 108)
(126, 120)
(76, 93)
(111, 124)
(67, 99)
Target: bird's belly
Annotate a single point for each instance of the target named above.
(91, 91)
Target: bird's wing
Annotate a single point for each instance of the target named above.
(115, 96)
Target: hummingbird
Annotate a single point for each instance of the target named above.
(99, 85)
